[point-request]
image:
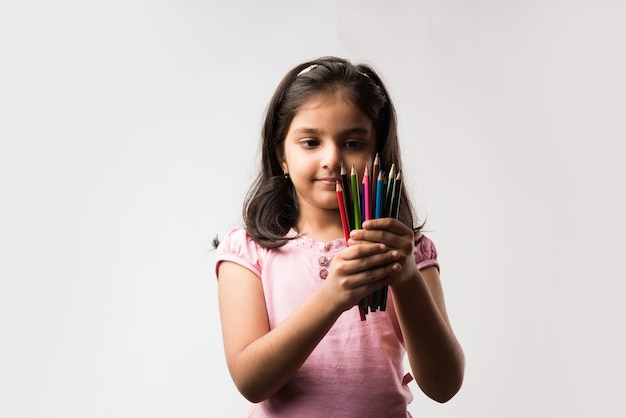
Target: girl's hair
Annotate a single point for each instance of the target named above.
(271, 207)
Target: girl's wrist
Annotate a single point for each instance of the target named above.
(403, 278)
(328, 305)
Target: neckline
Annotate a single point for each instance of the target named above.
(337, 243)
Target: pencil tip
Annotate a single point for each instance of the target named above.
(392, 170)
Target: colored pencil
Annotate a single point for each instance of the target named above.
(395, 198)
(394, 211)
(380, 195)
(366, 192)
(374, 199)
(378, 213)
(391, 178)
(375, 169)
(384, 291)
(347, 200)
(356, 203)
(362, 313)
(342, 212)
(355, 198)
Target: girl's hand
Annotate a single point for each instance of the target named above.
(357, 271)
(397, 237)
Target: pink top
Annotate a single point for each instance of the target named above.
(357, 369)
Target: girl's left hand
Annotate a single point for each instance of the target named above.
(395, 235)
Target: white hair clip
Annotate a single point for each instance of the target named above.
(307, 69)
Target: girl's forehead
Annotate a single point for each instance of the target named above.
(333, 110)
(324, 99)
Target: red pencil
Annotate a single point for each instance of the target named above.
(342, 211)
(346, 233)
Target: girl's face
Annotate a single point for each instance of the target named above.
(323, 133)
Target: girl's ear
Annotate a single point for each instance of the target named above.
(282, 162)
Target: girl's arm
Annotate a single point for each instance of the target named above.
(434, 353)
(261, 360)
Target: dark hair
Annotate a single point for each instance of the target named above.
(271, 207)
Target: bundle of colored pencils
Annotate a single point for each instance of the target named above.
(377, 197)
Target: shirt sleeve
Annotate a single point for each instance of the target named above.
(425, 252)
(238, 247)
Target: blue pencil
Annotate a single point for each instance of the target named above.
(378, 213)
(380, 195)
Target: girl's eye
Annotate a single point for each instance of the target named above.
(309, 143)
(353, 144)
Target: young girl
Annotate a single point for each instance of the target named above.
(289, 284)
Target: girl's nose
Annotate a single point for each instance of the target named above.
(332, 157)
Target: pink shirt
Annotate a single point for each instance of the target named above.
(357, 369)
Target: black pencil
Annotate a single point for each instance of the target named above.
(389, 192)
(395, 198)
(394, 211)
(347, 199)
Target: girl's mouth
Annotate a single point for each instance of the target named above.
(328, 181)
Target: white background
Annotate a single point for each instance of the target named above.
(129, 134)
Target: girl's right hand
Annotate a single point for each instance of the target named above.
(357, 271)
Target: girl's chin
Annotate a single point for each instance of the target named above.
(329, 205)
(325, 187)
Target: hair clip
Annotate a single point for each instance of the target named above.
(307, 69)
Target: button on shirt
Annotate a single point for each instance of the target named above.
(323, 262)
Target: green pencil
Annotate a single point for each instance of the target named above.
(389, 192)
(356, 203)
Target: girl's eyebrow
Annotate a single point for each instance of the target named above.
(350, 131)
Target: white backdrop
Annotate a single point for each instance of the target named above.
(129, 134)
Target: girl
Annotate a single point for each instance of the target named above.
(289, 284)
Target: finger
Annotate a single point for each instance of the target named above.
(393, 226)
(375, 275)
(366, 249)
(376, 261)
(369, 288)
(373, 235)
(359, 242)
(386, 230)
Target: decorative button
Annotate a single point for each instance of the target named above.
(323, 261)
(323, 273)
